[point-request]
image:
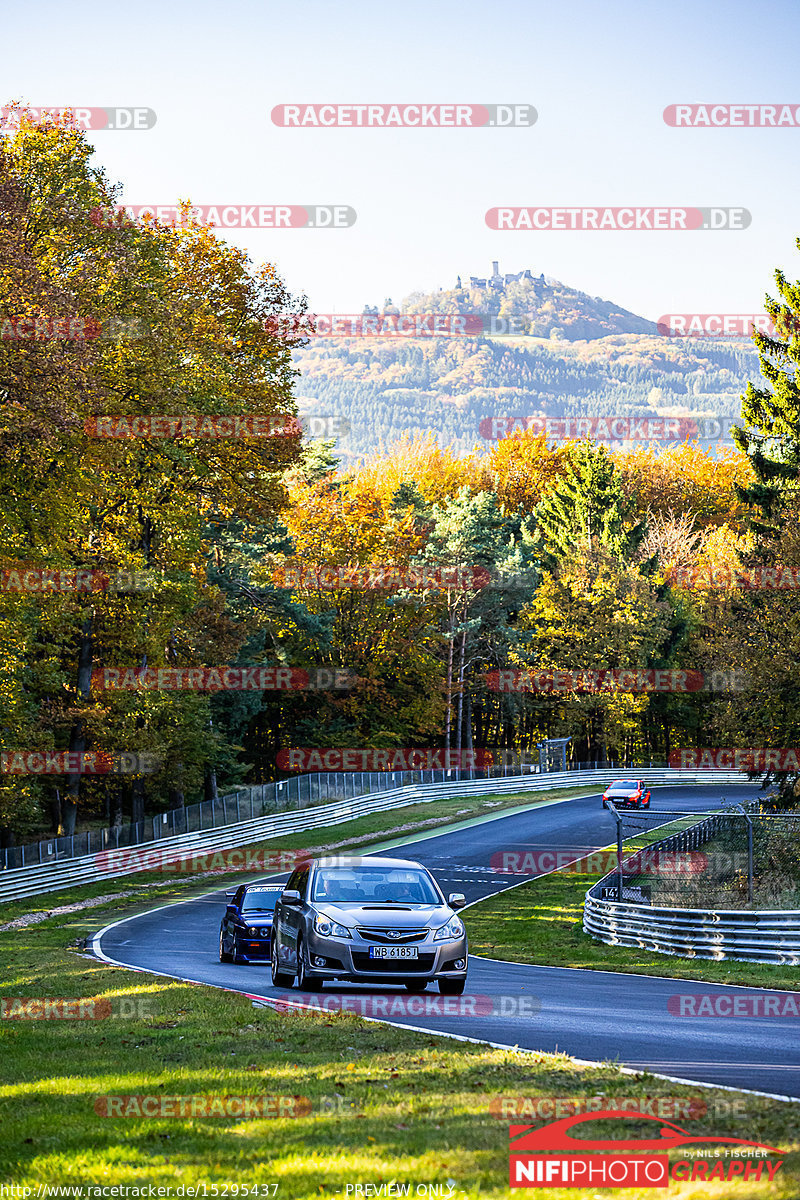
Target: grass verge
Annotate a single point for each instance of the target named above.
(387, 1105)
(541, 922)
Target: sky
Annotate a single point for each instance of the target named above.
(599, 76)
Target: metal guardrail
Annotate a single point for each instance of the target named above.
(744, 935)
(17, 884)
(297, 792)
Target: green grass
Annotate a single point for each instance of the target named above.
(411, 1107)
(541, 922)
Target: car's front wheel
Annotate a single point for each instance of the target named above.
(452, 987)
(279, 978)
(223, 954)
(305, 981)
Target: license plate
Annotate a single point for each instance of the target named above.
(393, 952)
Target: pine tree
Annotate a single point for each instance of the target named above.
(771, 414)
(589, 507)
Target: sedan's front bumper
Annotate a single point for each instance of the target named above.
(348, 958)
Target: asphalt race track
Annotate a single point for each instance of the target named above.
(596, 1015)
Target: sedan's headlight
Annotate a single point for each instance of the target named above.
(453, 929)
(330, 928)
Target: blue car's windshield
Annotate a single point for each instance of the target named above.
(258, 900)
(374, 885)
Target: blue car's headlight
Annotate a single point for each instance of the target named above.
(329, 928)
(453, 929)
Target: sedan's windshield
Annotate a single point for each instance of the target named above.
(357, 885)
(626, 783)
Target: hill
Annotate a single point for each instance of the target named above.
(567, 355)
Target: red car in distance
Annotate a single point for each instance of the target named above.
(627, 793)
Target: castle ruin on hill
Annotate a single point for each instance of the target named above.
(498, 282)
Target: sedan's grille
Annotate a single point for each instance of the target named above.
(395, 966)
(393, 937)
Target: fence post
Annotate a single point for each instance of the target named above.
(749, 820)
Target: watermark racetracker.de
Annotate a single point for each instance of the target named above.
(416, 115)
(724, 325)
(611, 428)
(338, 759)
(83, 1008)
(194, 425)
(222, 679)
(752, 1005)
(70, 762)
(588, 681)
(734, 116)
(390, 1004)
(623, 219)
(227, 216)
(68, 116)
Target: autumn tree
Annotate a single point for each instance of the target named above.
(179, 325)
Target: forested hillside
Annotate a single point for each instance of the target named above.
(578, 357)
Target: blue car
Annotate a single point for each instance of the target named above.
(245, 935)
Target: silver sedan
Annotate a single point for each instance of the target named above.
(368, 920)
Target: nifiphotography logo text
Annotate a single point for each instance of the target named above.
(549, 1156)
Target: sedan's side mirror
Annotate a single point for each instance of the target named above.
(291, 898)
(456, 899)
(232, 892)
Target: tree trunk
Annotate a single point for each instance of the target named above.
(460, 712)
(175, 796)
(7, 843)
(469, 728)
(77, 739)
(210, 795)
(115, 815)
(54, 806)
(137, 800)
(449, 712)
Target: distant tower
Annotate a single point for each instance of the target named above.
(458, 282)
(495, 269)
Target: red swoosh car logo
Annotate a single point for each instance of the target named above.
(556, 1136)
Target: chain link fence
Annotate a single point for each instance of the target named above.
(737, 857)
(298, 792)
